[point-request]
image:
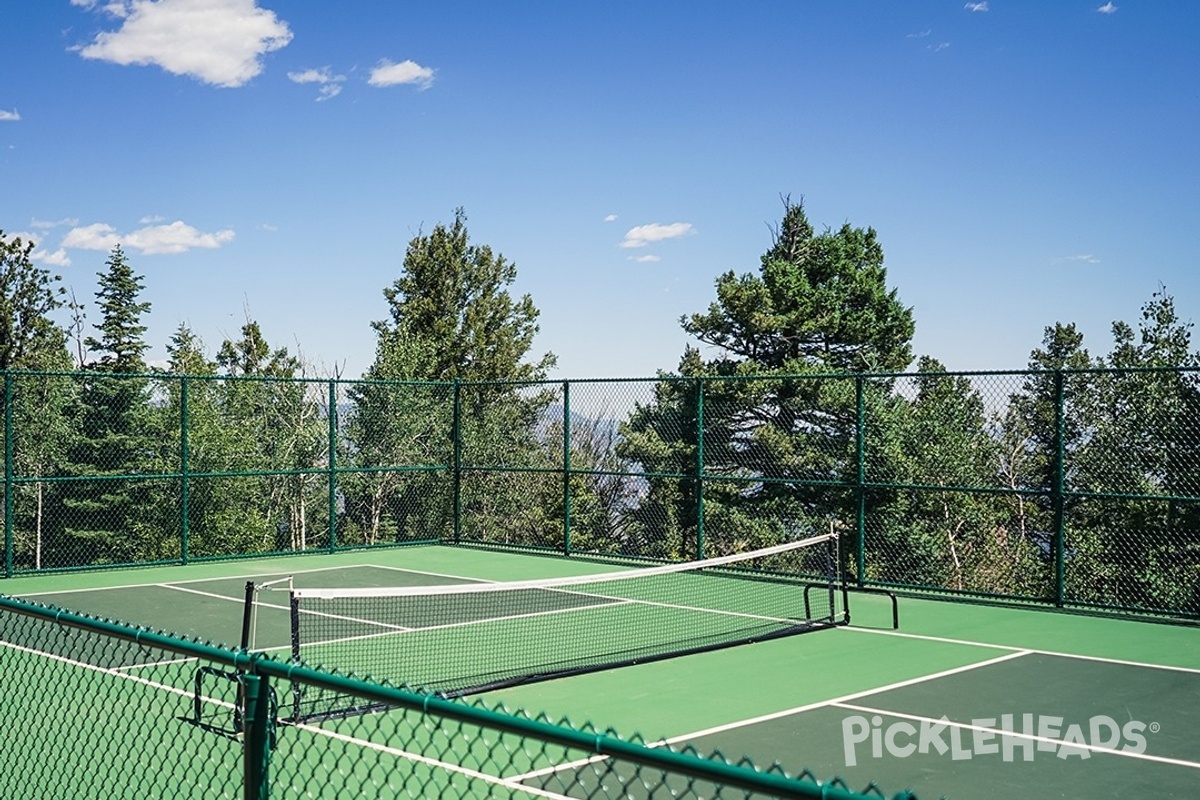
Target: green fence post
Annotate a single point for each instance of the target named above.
(1060, 431)
(566, 488)
(860, 489)
(699, 468)
(257, 719)
(456, 439)
(184, 499)
(333, 482)
(8, 475)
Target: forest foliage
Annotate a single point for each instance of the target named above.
(1076, 480)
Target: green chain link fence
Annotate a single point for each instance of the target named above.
(97, 709)
(1070, 488)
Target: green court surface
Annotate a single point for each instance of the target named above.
(963, 701)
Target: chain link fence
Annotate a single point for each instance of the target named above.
(1073, 488)
(97, 709)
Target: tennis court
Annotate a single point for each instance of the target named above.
(963, 701)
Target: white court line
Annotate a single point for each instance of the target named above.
(114, 672)
(799, 709)
(243, 577)
(1179, 762)
(508, 783)
(1101, 659)
(189, 590)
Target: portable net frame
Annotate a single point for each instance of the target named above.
(466, 638)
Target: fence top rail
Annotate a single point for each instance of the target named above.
(661, 377)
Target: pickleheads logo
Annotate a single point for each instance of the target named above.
(983, 737)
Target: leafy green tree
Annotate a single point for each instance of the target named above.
(28, 294)
(946, 534)
(277, 416)
(1143, 439)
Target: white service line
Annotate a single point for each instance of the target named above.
(801, 709)
(1055, 653)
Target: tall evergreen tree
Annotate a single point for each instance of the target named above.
(105, 519)
(818, 306)
(451, 318)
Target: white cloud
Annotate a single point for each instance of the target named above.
(1107, 8)
(58, 258)
(920, 34)
(98, 236)
(220, 42)
(939, 47)
(175, 237)
(328, 83)
(388, 74)
(9, 116)
(611, 218)
(643, 235)
(976, 7)
(645, 259)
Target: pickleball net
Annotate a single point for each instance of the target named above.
(463, 638)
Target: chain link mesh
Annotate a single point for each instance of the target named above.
(1074, 488)
(94, 708)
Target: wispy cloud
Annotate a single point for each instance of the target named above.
(977, 7)
(939, 47)
(219, 42)
(45, 224)
(174, 237)
(9, 116)
(1107, 8)
(645, 259)
(643, 235)
(328, 84)
(919, 34)
(1086, 258)
(611, 218)
(387, 73)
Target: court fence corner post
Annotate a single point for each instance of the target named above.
(333, 465)
(566, 485)
(8, 475)
(259, 723)
(699, 469)
(860, 482)
(184, 479)
(1057, 491)
(456, 473)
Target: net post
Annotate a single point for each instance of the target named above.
(294, 617)
(248, 616)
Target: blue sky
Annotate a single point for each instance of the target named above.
(1023, 162)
